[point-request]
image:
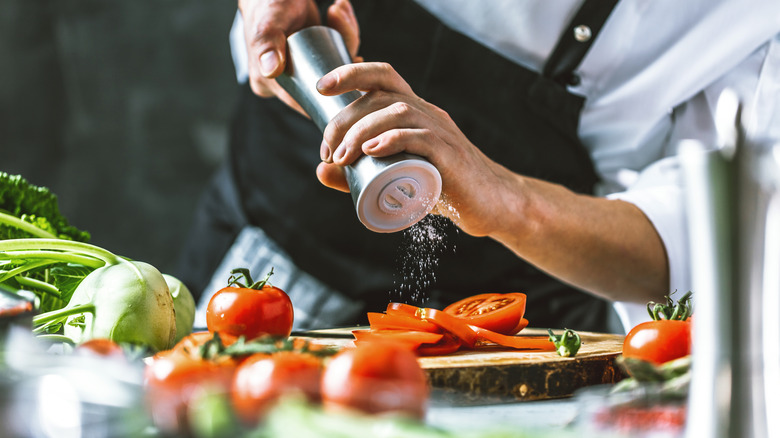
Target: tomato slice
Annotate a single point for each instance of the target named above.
(520, 326)
(448, 344)
(404, 309)
(458, 327)
(473, 336)
(517, 342)
(410, 338)
(493, 311)
(400, 321)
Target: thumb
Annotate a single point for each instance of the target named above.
(331, 175)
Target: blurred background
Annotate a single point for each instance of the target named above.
(121, 108)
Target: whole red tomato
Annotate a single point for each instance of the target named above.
(376, 377)
(263, 378)
(173, 377)
(658, 341)
(250, 310)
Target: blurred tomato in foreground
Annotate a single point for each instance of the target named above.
(101, 347)
(376, 377)
(263, 379)
(173, 377)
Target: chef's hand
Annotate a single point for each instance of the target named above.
(268, 23)
(608, 247)
(389, 119)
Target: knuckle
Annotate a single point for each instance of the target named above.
(400, 108)
(386, 68)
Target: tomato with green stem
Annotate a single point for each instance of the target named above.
(666, 337)
(250, 309)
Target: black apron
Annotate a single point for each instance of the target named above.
(522, 119)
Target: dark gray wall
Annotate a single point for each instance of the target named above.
(121, 107)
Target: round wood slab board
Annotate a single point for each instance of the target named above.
(491, 374)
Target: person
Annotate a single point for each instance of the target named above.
(553, 125)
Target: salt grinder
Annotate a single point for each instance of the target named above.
(389, 193)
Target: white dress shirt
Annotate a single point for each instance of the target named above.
(650, 79)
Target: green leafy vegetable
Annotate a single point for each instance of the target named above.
(84, 291)
(27, 210)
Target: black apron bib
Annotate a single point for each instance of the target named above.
(522, 119)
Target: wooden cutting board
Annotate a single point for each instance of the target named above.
(492, 374)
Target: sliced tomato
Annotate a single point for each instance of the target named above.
(400, 321)
(472, 336)
(523, 323)
(458, 327)
(446, 345)
(404, 309)
(517, 342)
(493, 311)
(410, 338)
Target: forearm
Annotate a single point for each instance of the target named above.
(607, 247)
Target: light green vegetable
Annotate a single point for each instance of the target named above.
(84, 291)
(184, 304)
(126, 301)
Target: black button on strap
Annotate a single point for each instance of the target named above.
(576, 41)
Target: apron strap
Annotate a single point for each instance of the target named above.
(576, 41)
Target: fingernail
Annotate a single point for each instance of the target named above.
(326, 82)
(370, 144)
(324, 152)
(340, 152)
(268, 62)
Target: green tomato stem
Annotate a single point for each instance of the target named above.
(567, 344)
(671, 310)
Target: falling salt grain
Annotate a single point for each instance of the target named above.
(424, 243)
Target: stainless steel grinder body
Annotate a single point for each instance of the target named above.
(389, 193)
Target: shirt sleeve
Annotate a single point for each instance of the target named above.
(658, 193)
(658, 190)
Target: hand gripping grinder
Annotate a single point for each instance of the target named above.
(389, 193)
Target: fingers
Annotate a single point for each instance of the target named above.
(267, 24)
(376, 124)
(341, 17)
(364, 76)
